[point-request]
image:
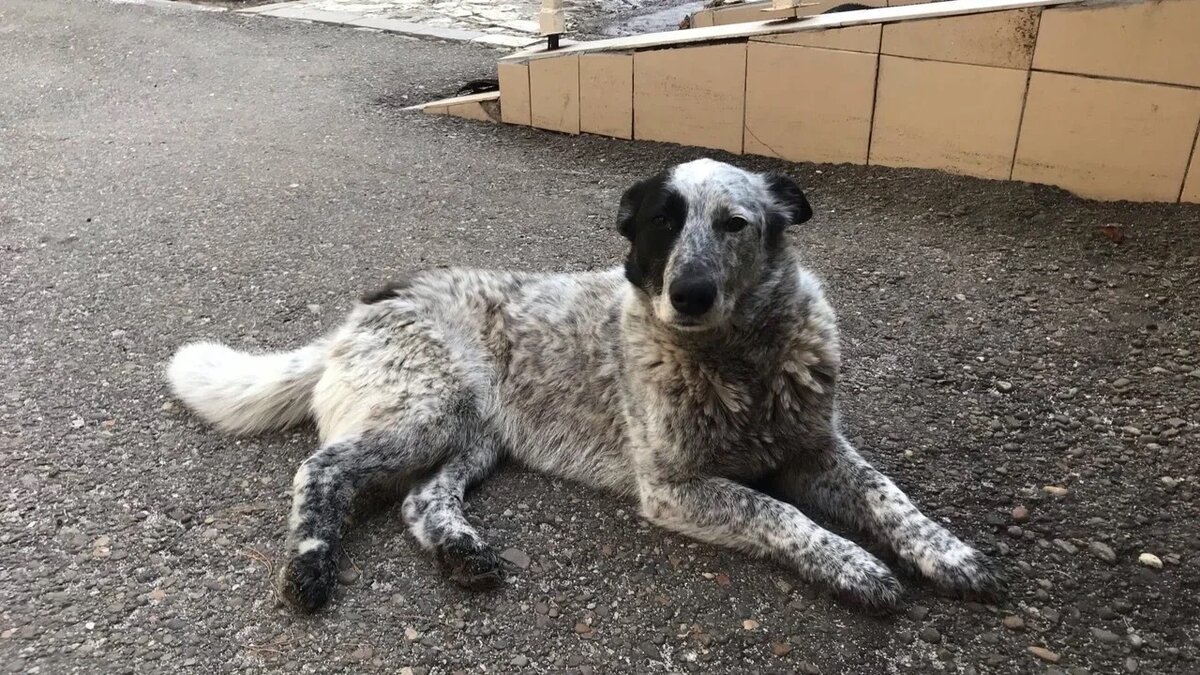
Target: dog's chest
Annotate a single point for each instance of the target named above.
(741, 415)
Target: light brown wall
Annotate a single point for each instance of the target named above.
(1102, 101)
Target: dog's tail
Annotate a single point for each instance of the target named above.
(244, 393)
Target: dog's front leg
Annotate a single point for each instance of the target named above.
(853, 492)
(723, 512)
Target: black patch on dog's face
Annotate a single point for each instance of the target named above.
(793, 207)
(651, 216)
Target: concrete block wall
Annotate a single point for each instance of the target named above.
(1103, 101)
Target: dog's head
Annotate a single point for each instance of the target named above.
(700, 234)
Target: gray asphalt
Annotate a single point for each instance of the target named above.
(168, 175)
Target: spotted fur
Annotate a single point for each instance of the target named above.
(708, 364)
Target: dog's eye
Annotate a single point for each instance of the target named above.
(660, 221)
(735, 224)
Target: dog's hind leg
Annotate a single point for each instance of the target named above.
(413, 441)
(850, 490)
(721, 511)
(434, 513)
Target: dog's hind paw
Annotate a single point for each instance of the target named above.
(470, 564)
(308, 580)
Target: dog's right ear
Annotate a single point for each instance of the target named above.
(629, 205)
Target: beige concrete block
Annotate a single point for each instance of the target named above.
(752, 11)
(785, 119)
(1002, 39)
(950, 116)
(1151, 41)
(1191, 184)
(702, 19)
(606, 94)
(854, 38)
(554, 93)
(691, 95)
(514, 93)
(1107, 139)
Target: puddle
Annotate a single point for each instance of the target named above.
(657, 20)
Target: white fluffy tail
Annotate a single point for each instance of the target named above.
(246, 393)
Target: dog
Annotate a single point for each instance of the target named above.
(698, 379)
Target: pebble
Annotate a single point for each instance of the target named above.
(348, 574)
(918, 612)
(1055, 491)
(1014, 622)
(517, 557)
(1066, 546)
(749, 624)
(1020, 514)
(1150, 560)
(1131, 665)
(930, 635)
(1044, 654)
(780, 648)
(519, 661)
(1121, 382)
(1102, 551)
(363, 653)
(1003, 386)
(1105, 636)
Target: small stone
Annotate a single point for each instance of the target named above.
(1150, 560)
(1055, 491)
(1020, 514)
(1014, 622)
(1135, 640)
(918, 612)
(1121, 382)
(930, 635)
(1102, 551)
(363, 653)
(348, 574)
(1004, 386)
(1044, 654)
(780, 648)
(809, 668)
(314, 309)
(517, 557)
(1105, 636)
(1131, 665)
(1066, 546)
(749, 624)
(1175, 423)
(519, 661)
(582, 628)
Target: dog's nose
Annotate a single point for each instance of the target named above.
(693, 297)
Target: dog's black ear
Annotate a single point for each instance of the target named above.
(629, 205)
(789, 199)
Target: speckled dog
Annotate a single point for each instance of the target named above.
(698, 380)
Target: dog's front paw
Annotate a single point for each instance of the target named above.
(866, 583)
(308, 579)
(961, 571)
(471, 564)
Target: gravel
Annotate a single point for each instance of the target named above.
(148, 170)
